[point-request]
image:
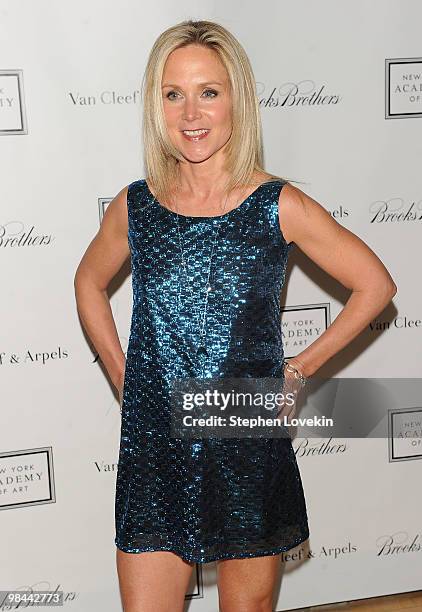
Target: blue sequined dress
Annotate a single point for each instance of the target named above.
(210, 498)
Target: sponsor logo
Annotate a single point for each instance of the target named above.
(301, 325)
(12, 103)
(26, 478)
(403, 88)
(405, 434)
(301, 94)
(395, 210)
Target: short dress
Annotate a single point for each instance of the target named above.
(205, 498)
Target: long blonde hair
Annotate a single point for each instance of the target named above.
(244, 149)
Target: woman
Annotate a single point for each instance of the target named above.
(208, 232)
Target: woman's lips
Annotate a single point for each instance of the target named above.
(195, 138)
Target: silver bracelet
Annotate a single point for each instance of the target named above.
(296, 372)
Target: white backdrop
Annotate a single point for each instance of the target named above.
(341, 103)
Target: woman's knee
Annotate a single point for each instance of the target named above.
(247, 585)
(251, 604)
(142, 576)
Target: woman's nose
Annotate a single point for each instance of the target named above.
(191, 109)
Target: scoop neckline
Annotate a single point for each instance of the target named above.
(172, 212)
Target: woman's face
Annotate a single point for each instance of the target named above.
(196, 96)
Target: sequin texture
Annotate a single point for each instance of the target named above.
(210, 498)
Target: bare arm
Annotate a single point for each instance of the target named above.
(347, 259)
(101, 261)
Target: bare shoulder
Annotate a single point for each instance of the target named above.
(302, 215)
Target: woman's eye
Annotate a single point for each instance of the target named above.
(209, 91)
(169, 94)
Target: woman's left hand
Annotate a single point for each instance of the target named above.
(291, 389)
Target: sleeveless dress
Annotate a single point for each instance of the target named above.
(205, 498)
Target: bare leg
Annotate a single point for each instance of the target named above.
(152, 581)
(247, 585)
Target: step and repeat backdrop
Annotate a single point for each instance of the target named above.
(340, 92)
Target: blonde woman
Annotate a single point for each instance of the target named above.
(208, 231)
